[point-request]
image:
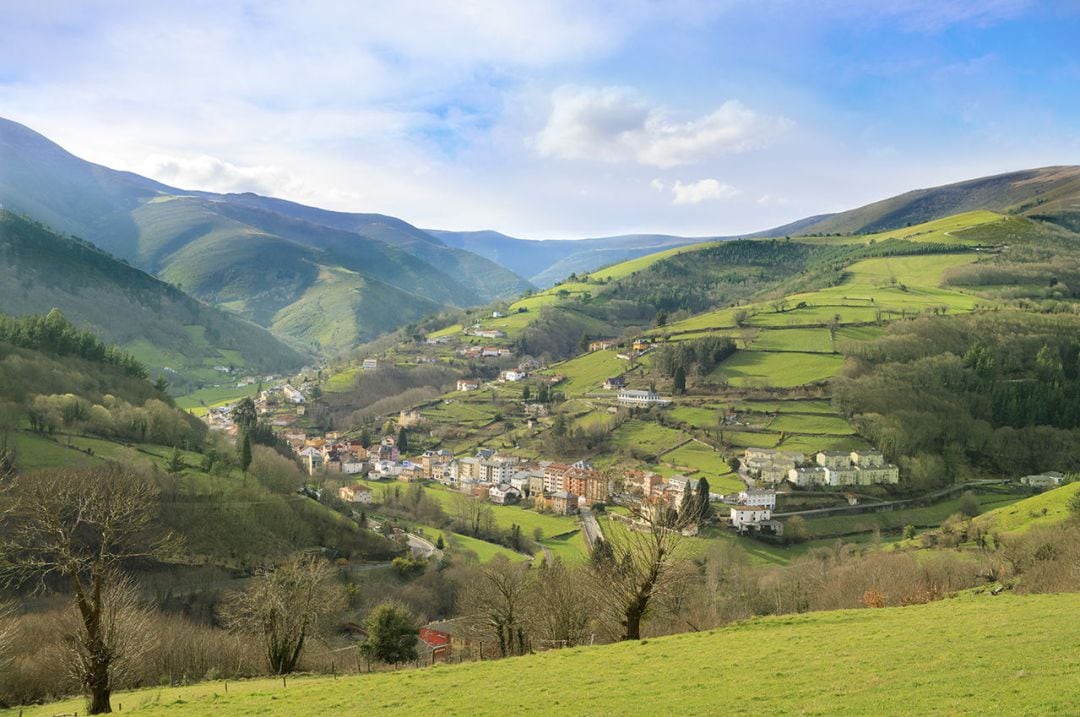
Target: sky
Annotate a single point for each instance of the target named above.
(553, 120)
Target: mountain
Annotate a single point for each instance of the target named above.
(1049, 194)
(545, 262)
(158, 323)
(281, 264)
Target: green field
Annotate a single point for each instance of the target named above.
(975, 654)
(710, 465)
(815, 424)
(649, 437)
(928, 516)
(215, 396)
(782, 370)
(587, 373)
(808, 340)
(1047, 508)
(342, 380)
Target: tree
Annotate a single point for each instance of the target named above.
(7, 632)
(402, 440)
(680, 380)
(245, 451)
(175, 464)
(583, 344)
(244, 415)
(705, 511)
(440, 544)
(559, 611)
(498, 599)
(630, 569)
(391, 634)
(285, 608)
(688, 505)
(1074, 503)
(969, 505)
(526, 393)
(543, 395)
(661, 318)
(81, 526)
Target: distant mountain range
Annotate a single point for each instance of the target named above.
(325, 281)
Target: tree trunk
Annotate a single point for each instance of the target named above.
(98, 686)
(633, 624)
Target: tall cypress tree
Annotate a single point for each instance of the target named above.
(705, 511)
(402, 440)
(245, 452)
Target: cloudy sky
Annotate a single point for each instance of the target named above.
(553, 119)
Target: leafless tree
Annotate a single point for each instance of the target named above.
(497, 599)
(81, 525)
(472, 514)
(560, 606)
(632, 567)
(7, 632)
(286, 608)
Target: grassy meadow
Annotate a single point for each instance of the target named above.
(974, 654)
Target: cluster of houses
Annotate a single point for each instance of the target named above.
(499, 478)
(828, 468)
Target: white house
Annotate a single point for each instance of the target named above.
(504, 494)
(370, 364)
(744, 516)
(1049, 479)
(351, 466)
(291, 394)
(629, 397)
(758, 497)
(468, 384)
(807, 476)
(513, 376)
(355, 494)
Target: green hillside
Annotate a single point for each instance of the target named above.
(166, 329)
(1048, 193)
(1042, 510)
(252, 255)
(971, 655)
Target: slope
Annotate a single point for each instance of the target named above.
(1049, 194)
(974, 654)
(252, 254)
(165, 328)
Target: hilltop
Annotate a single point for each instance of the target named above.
(1050, 194)
(1006, 654)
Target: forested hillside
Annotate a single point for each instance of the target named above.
(164, 328)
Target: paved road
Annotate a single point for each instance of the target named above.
(591, 527)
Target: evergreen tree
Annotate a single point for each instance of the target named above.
(680, 380)
(584, 343)
(245, 416)
(402, 440)
(440, 544)
(175, 463)
(391, 634)
(688, 506)
(526, 393)
(705, 511)
(245, 452)
(543, 395)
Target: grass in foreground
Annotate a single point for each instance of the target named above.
(1007, 655)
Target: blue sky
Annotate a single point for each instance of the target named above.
(556, 119)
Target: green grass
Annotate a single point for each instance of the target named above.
(752, 439)
(215, 396)
(928, 516)
(811, 423)
(710, 463)
(587, 373)
(507, 515)
(782, 370)
(976, 654)
(699, 416)
(808, 340)
(33, 452)
(645, 436)
(342, 380)
(1047, 508)
(813, 444)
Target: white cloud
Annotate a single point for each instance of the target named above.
(657, 185)
(771, 200)
(701, 191)
(615, 124)
(208, 173)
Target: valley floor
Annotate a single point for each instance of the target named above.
(1009, 654)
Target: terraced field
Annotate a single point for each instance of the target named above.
(780, 369)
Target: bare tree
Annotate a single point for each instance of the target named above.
(632, 567)
(472, 514)
(498, 598)
(81, 525)
(7, 632)
(560, 607)
(285, 608)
